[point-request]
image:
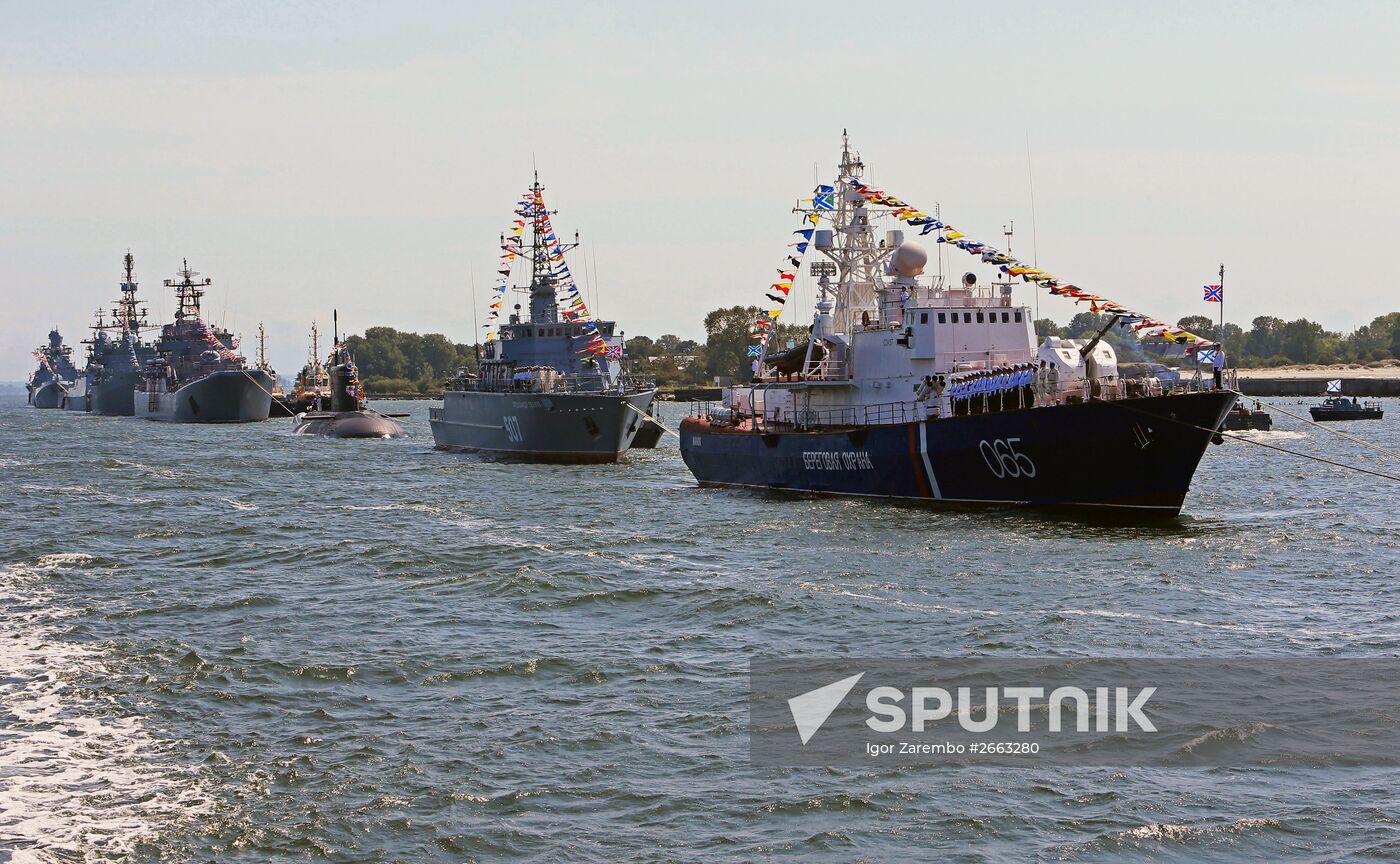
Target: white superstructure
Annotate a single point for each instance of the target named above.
(895, 338)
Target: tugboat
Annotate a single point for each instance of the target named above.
(197, 375)
(648, 436)
(1338, 407)
(116, 353)
(1242, 417)
(56, 375)
(313, 385)
(550, 387)
(938, 392)
(279, 408)
(348, 415)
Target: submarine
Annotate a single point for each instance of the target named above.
(348, 416)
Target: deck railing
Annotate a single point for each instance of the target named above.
(554, 384)
(784, 417)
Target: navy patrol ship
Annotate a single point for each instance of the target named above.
(50, 384)
(549, 387)
(938, 392)
(197, 375)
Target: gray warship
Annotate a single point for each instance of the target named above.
(549, 387)
(56, 375)
(197, 376)
(115, 355)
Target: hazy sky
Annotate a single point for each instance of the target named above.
(366, 156)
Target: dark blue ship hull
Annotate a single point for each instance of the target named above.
(114, 395)
(225, 396)
(1134, 455)
(48, 395)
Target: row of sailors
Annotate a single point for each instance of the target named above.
(1002, 388)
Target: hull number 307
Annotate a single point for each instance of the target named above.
(1003, 459)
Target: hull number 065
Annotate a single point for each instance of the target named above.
(1003, 459)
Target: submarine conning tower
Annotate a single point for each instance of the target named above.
(345, 383)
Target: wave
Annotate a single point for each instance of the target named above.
(83, 780)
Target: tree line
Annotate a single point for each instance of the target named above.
(1270, 341)
(393, 361)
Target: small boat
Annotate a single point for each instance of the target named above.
(648, 436)
(1342, 408)
(313, 386)
(792, 361)
(1242, 417)
(348, 416)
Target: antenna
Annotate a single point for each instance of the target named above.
(1035, 245)
(1221, 334)
(335, 326)
(471, 270)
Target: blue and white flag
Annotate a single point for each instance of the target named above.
(1334, 386)
(1208, 355)
(755, 350)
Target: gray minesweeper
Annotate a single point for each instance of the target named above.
(115, 356)
(197, 376)
(56, 375)
(550, 388)
(342, 413)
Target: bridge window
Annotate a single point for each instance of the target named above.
(923, 317)
(1005, 317)
(967, 317)
(979, 317)
(942, 318)
(1018, 316)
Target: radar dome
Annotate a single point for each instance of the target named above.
(909, 259)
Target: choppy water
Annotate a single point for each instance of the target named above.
(228, 643)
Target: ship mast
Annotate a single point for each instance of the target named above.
(127, 316)
(859, 258)
(262, 348)
(544, 305)
(188, 290)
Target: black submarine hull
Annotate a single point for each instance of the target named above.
(348, 424)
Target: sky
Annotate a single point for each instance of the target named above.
(366, 156)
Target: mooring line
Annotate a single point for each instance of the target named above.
(663, 426)
(281, 402)
(1222, 433)
(1327, 428)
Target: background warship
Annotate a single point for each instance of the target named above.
(197, 376)
(550, 387)
(56, 375)
(116, 353)
(939, 392)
